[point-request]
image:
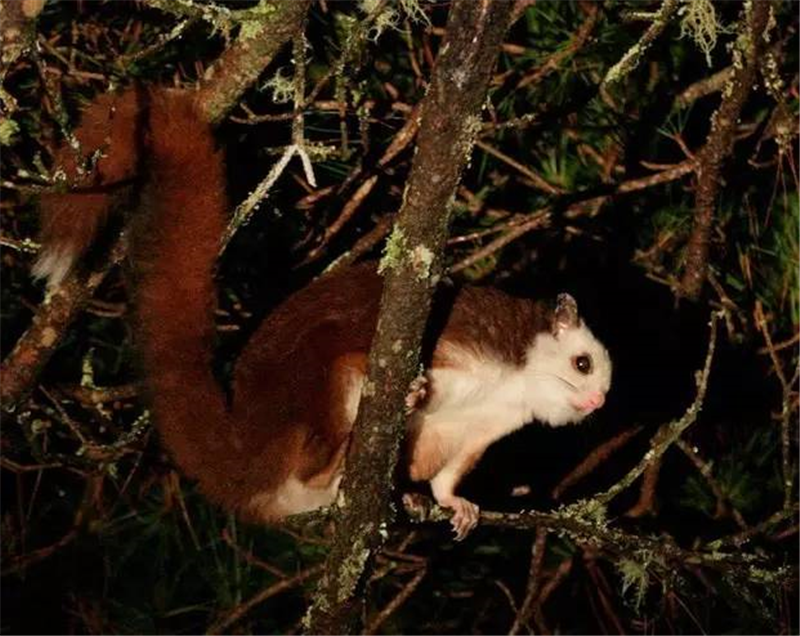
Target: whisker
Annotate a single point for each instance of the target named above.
(557, 377)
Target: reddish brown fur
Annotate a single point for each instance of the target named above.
(70, 221)
(288, 415)
(489, 322)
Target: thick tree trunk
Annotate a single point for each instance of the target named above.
(412, 267)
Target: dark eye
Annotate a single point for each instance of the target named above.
(583, 364)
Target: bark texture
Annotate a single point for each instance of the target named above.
(239, 66)
(753, 41)
(412, 266)
(21, 368)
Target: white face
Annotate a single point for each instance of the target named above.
(570, 373)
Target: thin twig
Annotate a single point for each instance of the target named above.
(646, 504)
(349, 209)
(594, 459)
(25, 245)
(245, 210)
(576, 42)
(251, 558)
(706, 86)
(534, 581)
(551, 586)
(705, 469)
(365, 244)
(739, 539)
(396, 602)
(222, 625)
(536, 180)
(671, 431)
(786, 406)
(539, 219)
(22, 561)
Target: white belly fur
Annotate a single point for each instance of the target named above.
(294, 497)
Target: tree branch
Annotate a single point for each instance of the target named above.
(21, 367)
(631, 59)
(412, 267)
(275, 22)
(750, 45)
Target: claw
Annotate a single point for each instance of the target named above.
(418, 391)
(465, 516)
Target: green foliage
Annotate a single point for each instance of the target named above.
(748, 475)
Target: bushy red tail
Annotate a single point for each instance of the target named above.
(174, 244)
(175, 249)
(95, 176)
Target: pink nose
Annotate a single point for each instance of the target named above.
(595, 400)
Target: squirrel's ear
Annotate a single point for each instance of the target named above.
(566, 314)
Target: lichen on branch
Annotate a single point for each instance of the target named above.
(751, 42)
(449, 123)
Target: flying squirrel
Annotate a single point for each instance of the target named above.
(278, 447)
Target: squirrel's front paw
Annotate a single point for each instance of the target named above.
(465, 515)
(417, 392)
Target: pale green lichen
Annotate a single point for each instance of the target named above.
(699, 21)
(714, 545)
(394, 250)
(585, 510)
(473, 125)
(414, 11)
(421, 261)
(635, 573)
(472, 128)
(368, 390)
(282, 87)
(253, 20)
(39, 426)
(768, 577)
(772, 22)
(383, 17)
(353, 566)
(8, 130)
(87, 370)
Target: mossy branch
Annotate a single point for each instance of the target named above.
(634, 55)
(22, 366)
(449, 123)
(270, 25)
(595, 534)
(752, 41)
